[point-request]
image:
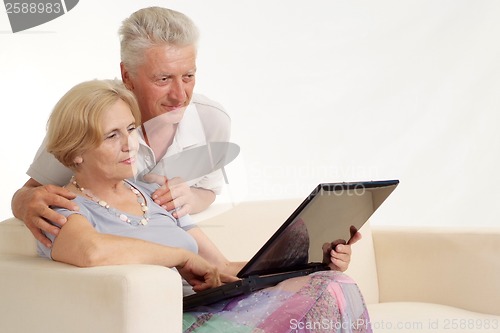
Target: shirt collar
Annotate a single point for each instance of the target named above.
(189, 132)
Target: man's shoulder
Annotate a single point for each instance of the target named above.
(215, 119)
(205, 105)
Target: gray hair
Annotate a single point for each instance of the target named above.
(154, 26)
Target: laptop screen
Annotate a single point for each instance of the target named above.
(333, 212)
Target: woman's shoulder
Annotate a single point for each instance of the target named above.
(83, 208)
(147, 188)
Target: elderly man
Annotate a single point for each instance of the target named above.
(158, 64)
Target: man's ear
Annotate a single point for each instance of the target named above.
(126, 77)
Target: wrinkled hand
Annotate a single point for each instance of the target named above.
(32, 206)
(338, 256)
(173, 194)
(201, 274)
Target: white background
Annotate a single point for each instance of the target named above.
(318, 91)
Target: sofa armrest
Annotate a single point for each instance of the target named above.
(451, 266)
(56, 297)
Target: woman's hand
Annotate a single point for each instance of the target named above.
(338, 256)
(201, 274)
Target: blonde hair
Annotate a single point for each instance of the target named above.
(74, 126)
(150, 27)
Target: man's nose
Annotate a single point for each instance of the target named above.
(177, 91)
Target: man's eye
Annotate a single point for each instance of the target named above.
(187, 78)
(162, 80)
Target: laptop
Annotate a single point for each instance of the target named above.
(331, 214)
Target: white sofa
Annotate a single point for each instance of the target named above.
(413, 280)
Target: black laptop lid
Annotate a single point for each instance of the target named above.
(332, 212)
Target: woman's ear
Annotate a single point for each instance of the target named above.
(78, 160)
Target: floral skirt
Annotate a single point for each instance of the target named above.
(326, 301)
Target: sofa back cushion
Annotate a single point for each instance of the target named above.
(363, 267)
(240, 230)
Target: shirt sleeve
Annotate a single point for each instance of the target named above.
(41, 249)
(217, 126)
(46, 169)
(186, 222)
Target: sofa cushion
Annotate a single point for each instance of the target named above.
(413, 317)
(456, 266)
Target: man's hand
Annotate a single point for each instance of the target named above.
(32, 203)
(177, 194)
(338, 256)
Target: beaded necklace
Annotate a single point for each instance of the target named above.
(140, 199)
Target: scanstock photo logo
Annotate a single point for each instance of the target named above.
(28, 14)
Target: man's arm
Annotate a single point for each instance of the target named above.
(32, 202)
(203, 199)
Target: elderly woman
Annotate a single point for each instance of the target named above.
(92, 130)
